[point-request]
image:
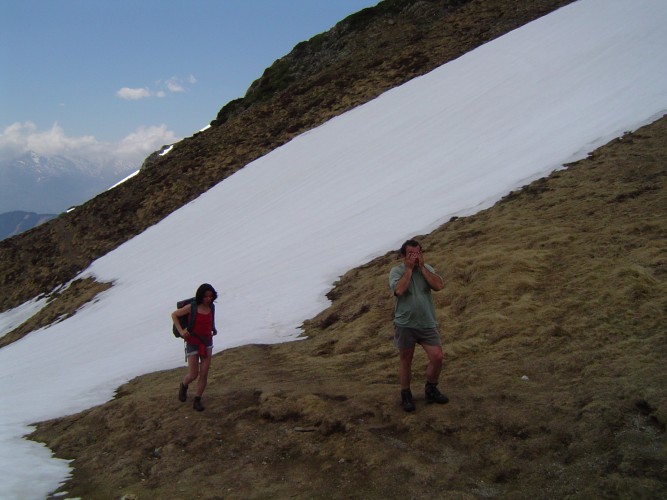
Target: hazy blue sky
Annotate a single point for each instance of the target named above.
(126, 72)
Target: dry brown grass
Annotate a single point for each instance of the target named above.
(553, 321)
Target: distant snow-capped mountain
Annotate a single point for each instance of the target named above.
(51, 184)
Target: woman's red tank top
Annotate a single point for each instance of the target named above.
(203, 324)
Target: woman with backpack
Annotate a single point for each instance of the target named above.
(198, 335)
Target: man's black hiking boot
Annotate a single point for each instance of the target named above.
(406, 400)
(182, 393)
(197, 404)
(433, 395)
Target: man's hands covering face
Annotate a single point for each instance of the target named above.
(414, 258)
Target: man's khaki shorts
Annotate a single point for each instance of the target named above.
(407, 338)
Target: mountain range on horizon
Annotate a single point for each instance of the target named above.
(43, 184)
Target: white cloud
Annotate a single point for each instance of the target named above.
(19, 138)
(145, 140)
(174, 85)
(133, 94)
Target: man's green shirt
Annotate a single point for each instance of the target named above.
(413, 309)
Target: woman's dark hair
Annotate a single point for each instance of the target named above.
(409, 243)
(201, 291)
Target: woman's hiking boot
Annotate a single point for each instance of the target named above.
(406, 400)
(197, 404)
(182, 393)
(433, 395)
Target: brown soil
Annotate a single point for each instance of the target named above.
(553, 320)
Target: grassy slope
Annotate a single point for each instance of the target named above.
(554, 326)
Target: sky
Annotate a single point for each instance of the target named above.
(101, 77)
(449, 143)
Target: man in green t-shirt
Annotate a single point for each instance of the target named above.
(414, 321)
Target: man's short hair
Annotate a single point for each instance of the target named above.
(409, 243)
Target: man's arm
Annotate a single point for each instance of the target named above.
(403, 283)
(433, 280)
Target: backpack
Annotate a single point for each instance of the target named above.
(188, 321)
